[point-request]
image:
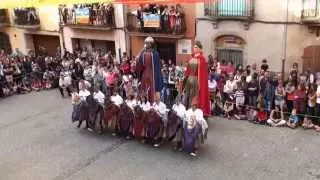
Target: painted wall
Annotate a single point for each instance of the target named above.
(118, 36)
(263, 40)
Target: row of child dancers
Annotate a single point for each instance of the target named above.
(136, 117)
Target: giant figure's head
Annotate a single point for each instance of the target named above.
(148, 42)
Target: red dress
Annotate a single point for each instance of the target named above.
(147, 84)
(202, 74)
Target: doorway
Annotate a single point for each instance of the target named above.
(5, 43)
(311, 58)
(50, 43)
(230, 48)
(166, 51)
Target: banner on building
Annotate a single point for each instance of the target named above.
(184, 46)
(151, 20)
(82, 15)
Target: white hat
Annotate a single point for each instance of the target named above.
(149, 40)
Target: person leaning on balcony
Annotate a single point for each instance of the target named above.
(165, 18)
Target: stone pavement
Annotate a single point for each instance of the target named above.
(38, 142)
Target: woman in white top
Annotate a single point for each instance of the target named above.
(116, 98)
(99, 96)
(160, 108)
(131, 101)
(144, 104)
(230, 86)
(83, 92)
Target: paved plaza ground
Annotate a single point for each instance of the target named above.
(38, 142)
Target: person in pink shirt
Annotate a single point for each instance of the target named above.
(230, 68)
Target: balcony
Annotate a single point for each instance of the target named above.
(4, 19)
(155, 22)
(230, 9)
(26, 18)
(90, 16)
(310, 13)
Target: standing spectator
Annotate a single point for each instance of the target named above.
(253, 91)
(268, 93)
(264, 65)
(279, 95)
(311, 107)
(299, 102)
(290, 89)
(229, 87)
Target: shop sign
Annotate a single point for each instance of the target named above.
(151, 20)
(184, 46)
(82, 15)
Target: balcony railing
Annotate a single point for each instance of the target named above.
(89, 15)
(166, 21)
(26, 18)
(310, 10)
(230, 9)
(4, 19)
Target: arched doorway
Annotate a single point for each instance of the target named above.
(230, 48)
(5, 42)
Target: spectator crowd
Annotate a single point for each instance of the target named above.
(244, 93)
(265, 97)
(172, 18)
(99, 14)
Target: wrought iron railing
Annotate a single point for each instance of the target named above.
(4, 16)
(26, 16)
(90, 14)
(310, 9)
(230, 8)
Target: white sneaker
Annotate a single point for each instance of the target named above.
(156, 145)
(89, 129)
(114, 134)
(193, 154)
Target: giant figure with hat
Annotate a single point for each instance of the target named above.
(149, 69)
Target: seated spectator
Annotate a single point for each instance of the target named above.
(276, 117)
(307, 123)
(228, 109)
(293, 119)
(217, 107)
(251, 114)
(262, 116)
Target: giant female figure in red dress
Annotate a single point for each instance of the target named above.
(196, 80)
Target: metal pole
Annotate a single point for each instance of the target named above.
(285, 33)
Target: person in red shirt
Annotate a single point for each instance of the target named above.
(262, 116)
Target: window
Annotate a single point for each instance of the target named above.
(229, 8)
(232, 8)
(310, 8)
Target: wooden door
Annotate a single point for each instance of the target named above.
(311, 58)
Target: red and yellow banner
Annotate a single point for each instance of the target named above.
(6, 4)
